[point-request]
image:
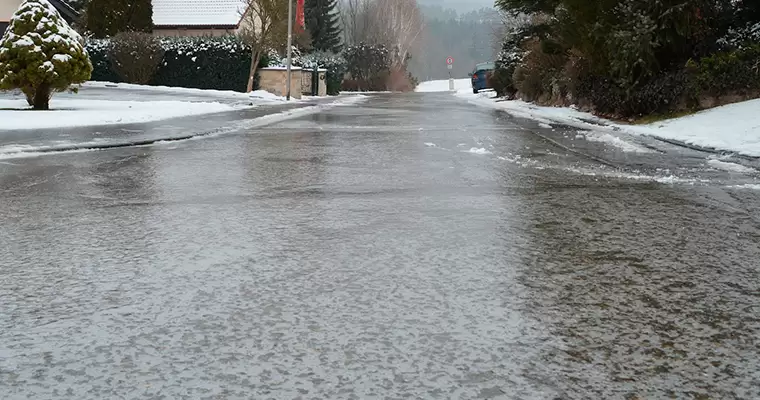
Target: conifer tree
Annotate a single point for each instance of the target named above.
(41, 54)
(322, 23)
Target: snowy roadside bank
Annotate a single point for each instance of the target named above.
(21, 144)
(67, 112)
(733, 128)
(105, 103)
(460, 85)
(257, 95)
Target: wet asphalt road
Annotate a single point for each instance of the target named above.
(413, 246)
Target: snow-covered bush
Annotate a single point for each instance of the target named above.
(334, 64)
(135, 56)
(219, 63)
(739, 38)
(730, 72)
(369, 67)
(41, 54)
(509, 58)
(280, 60)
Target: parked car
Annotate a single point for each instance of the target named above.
(481, 76)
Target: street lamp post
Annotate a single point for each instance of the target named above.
(290, 43)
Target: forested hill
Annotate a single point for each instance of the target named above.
(467, 37)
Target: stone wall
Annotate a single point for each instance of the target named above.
(274, 80)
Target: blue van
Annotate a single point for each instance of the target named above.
(481, 76)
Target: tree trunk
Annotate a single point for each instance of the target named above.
(255, 58)
(41, 100)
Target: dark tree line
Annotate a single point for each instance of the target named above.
(628, 57)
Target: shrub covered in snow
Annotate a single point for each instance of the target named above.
(335, 65)
(40, 54)
(135, 56)
(733, 72)
(741, 37)
(220, 63)
(510, 57)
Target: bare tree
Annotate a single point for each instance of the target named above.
(398, 24)
(354, 16)
(264, 26)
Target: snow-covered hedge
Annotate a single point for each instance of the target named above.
(220, 63)
(730, 72)
(740, 38)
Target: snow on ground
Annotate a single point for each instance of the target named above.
(614, 141)
(443, 86)
(264, 95)
(15, 114)
(13, 151)
(729, 166)
(225, 94)
(734, 127)
(748, 186)
(476, 150)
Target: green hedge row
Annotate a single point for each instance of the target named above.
(220, 63)
(734, 71)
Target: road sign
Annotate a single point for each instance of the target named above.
(450, 60)
(450, 66)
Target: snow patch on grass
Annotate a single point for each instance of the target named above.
(260, 95)
(16, 115)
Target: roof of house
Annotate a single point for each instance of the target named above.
(197, 13)
(68, 13)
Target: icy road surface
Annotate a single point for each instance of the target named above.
(413, 246)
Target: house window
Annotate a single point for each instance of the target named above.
(3, 27)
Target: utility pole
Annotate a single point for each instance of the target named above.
(290, 43)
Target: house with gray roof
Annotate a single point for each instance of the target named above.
(197, 17)
(8, 7)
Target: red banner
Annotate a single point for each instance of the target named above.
(300, 19)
